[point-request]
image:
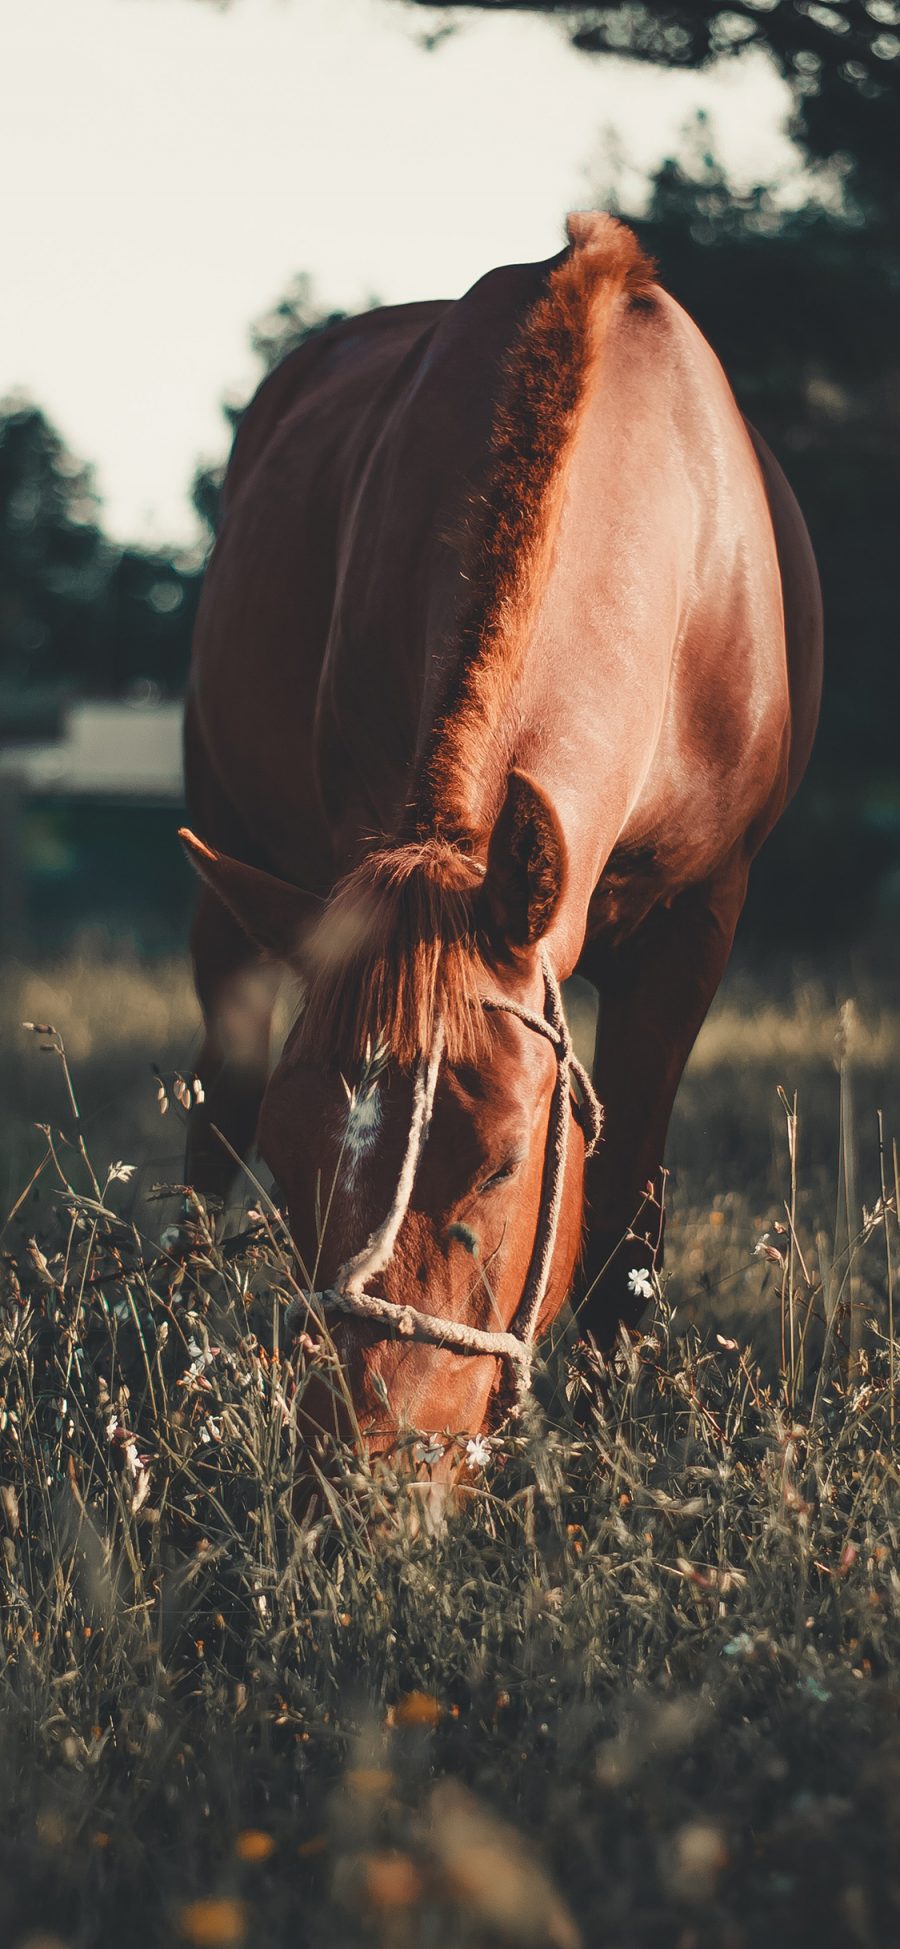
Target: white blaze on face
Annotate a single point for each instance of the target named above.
(362, 1127)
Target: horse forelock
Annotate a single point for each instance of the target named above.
(395, 951)
(511, 523)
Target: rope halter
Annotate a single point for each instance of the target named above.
(348, 1295)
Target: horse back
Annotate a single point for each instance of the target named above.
(270, 588)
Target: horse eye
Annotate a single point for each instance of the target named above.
(499, 1177)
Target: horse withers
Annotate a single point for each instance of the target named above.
(508, 659)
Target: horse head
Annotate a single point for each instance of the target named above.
(422, 1120)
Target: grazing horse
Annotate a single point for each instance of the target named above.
(508, 659)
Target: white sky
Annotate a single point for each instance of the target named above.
(167, 167)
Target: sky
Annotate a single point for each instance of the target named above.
(169, 165)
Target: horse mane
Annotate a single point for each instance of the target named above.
(396, 949)
(398, 944)
(511, 523)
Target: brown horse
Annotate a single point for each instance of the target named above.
(507, 662)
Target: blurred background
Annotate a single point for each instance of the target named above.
(196, 188)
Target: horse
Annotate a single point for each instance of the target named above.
(507, 661)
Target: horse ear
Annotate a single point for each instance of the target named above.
(526, 866)
(271, 912)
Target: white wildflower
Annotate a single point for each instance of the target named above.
(772, 1246)
(640, 1283)
(141, 1490)
(478, 1452)
(120, 1173)
(201, 1358)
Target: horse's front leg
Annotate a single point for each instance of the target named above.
(654, 992)
(236, 988)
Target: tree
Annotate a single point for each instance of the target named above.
(841, 58)
(53, 559)
(77, 612)
(803, 308)
(295, 317)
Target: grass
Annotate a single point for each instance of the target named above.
(643, 1690)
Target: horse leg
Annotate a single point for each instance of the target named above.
(236, 988)
(655, 990)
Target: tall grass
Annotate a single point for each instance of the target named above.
(641, 1689)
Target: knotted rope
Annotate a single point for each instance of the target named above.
(553, 1025)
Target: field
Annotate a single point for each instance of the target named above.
(644, 1689)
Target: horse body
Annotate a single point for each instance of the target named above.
(508, 581)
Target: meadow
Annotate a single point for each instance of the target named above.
(642, 1689)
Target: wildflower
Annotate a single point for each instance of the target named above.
(141, 1489)
(478, 1452)
(213, 1924)
(200, 1356)
(316, 1844)
(120, 1173)
(772, 1245)
(430, 1450)
(640, 1283)
(39, 1261)
(253, 1844)
(369, 1780)
(417, 1709)
(700, 1855)
(391, 1880)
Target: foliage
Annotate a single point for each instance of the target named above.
(75, 610)
(841, 58)
(295, 317)
(52, 559)
(641, 1687)
(802, 306)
